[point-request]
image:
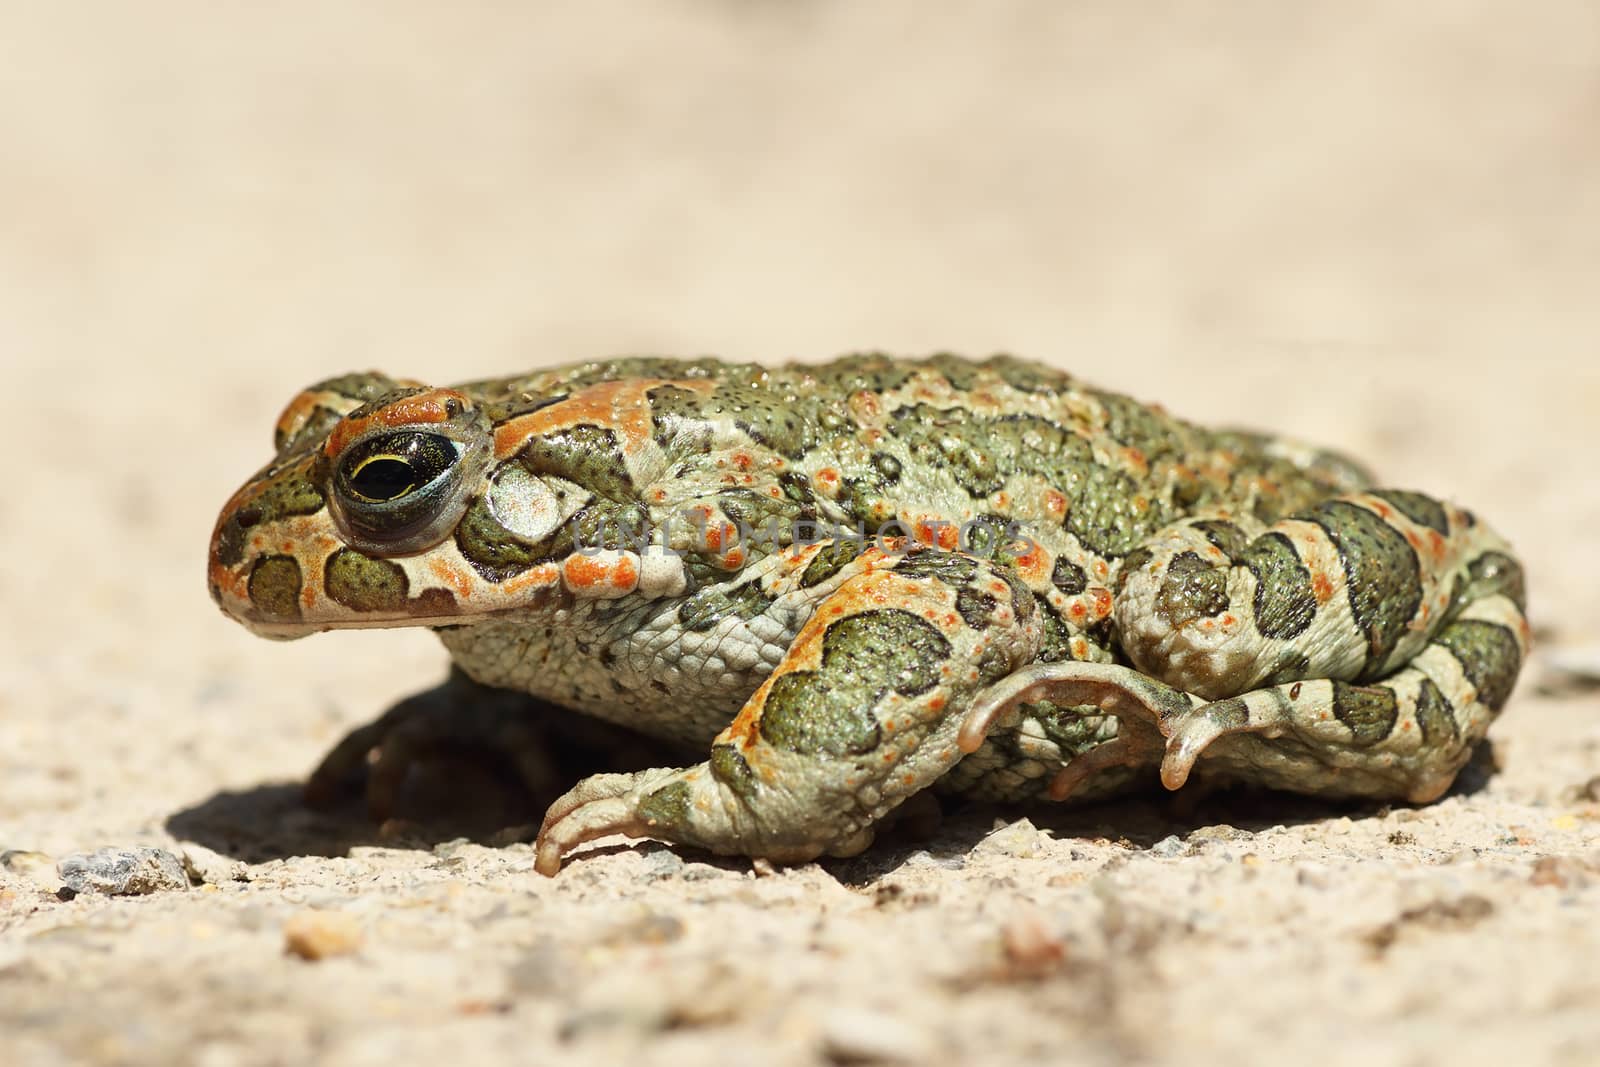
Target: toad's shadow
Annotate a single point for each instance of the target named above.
(475, 799)
(445, 799)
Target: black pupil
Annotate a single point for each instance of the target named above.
(384, 479)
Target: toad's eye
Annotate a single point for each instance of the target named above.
(399, 492)
(387, 468)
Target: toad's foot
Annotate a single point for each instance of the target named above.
(1155, 722)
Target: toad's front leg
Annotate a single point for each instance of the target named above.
(862, 713)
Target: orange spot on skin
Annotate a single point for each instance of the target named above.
(1055, 503)
(544, 576)
(1102, 602)
(621, 406)
(1034, 566)
(459, 583)
(1078, 613)
(424, 409)
(1321, 587)
(865, 404)
(587, 572)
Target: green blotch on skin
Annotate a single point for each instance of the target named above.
(1193, 589)
(1026, 376)
(1369, 712)
(1107, 511)
(288, 493)
(831, 711)
(274, 587)
(871, 371)
(1055, 645)
(975, 607)
(1068, 577)
(1422, 510)
(1138, 426)
(1073, 730)
(729, 767)
(952, 441)
(363, 583)
(711, 605)
(830, 559)
(587, 455)
(1435, 717)
(946, 567)
(1494, 573)
(1382, 575)
(667, 806)
(494, 551)
(1489, 656)
(1225, 536)
(1284, 602)
(763, 520)
(769, 414)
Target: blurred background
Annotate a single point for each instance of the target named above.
(1373, 225)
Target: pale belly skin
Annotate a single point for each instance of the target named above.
(845, 583)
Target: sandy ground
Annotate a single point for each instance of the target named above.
(1373, 225)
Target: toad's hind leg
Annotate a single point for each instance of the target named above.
(861, 714)
(1358, 648)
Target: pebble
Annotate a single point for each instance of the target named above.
(316, 935)
(861, 1035)
(119, 872)
(1169, 846)
(1018, 840)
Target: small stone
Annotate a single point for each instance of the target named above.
(1033, 946)
(117, 872)
(205, 867)
(860, 1035)
(316, 935)
(1313, 876)
(1561, 872)
(1019, 840)
(662, 864)
(1167, 847)
(1220, 832)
